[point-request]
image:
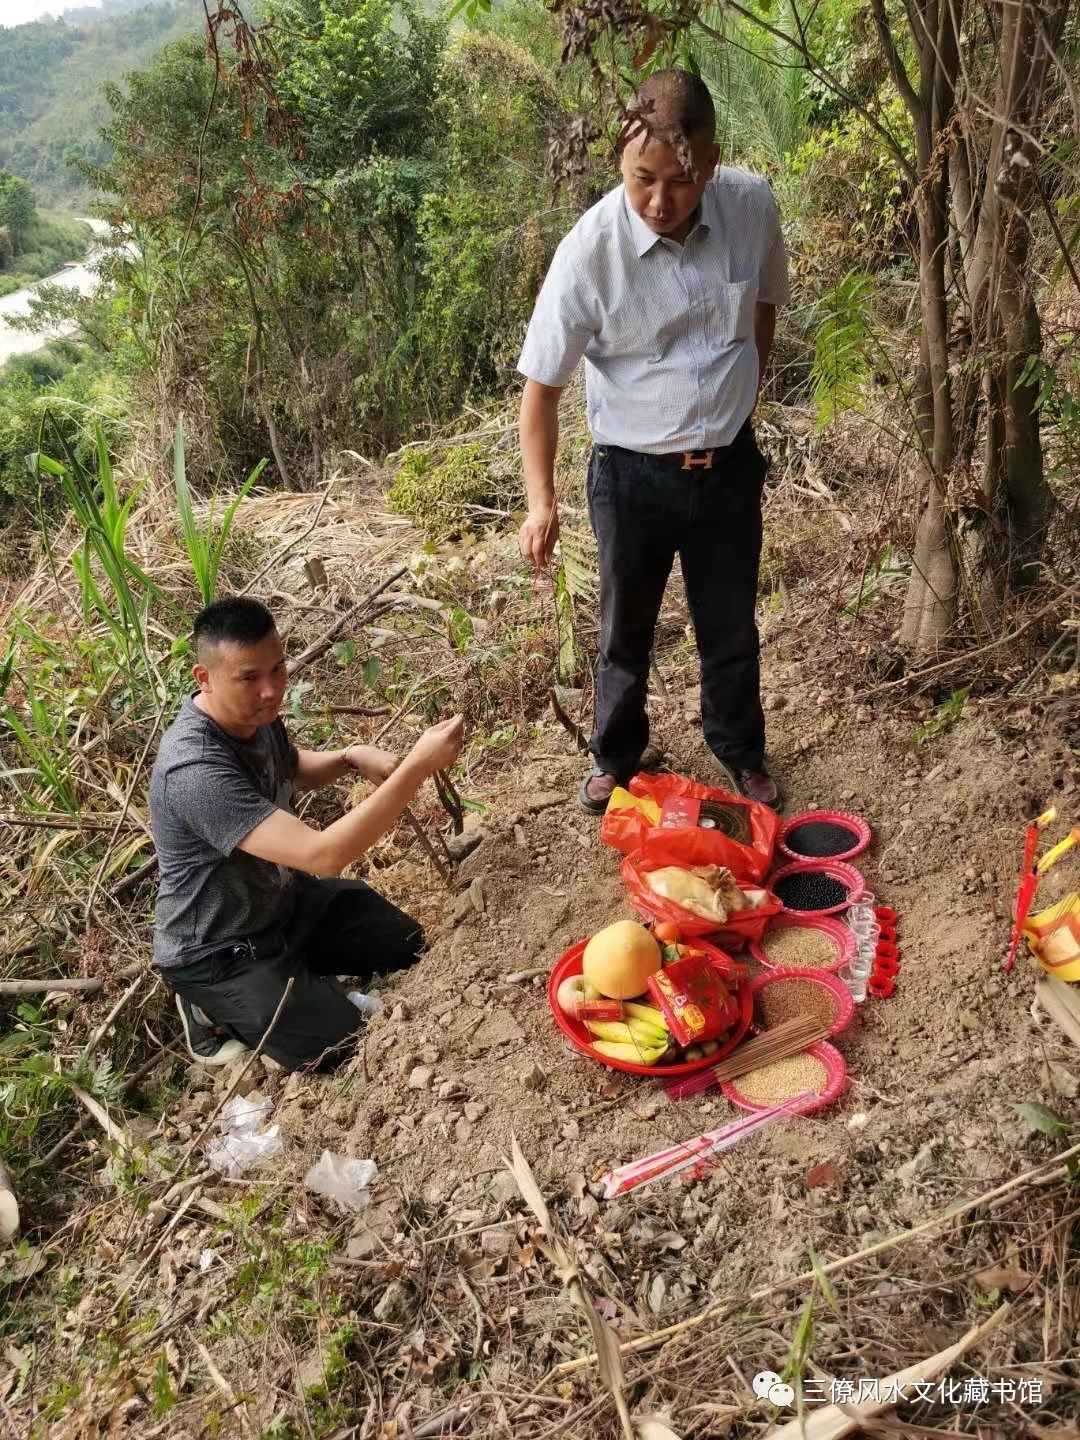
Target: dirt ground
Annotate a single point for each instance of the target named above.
(939, 1063)
(438, 1294)
(464, 1058)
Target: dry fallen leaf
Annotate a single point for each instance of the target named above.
(821, 1176)
(648, 1427)
(1004, 1277)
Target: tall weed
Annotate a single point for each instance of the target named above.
(205, 542)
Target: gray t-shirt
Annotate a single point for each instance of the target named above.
(208, 790)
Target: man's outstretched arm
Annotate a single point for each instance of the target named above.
(316, 768)
(284, 839)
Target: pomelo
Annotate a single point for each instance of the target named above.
(619, 959)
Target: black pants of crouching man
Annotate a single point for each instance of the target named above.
(338, 927)
(644, 511)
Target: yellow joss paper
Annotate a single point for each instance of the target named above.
(622, 800)
(1054, 938)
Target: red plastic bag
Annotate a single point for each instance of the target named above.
(627, 830)
(688, 848)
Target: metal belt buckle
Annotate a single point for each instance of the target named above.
(689, 463)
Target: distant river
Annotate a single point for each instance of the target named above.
(80, 277)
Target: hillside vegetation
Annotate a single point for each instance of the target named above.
(51, 77)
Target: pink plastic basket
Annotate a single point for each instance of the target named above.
(860, 833)
(836, 1071)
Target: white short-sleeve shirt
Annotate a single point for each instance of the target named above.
(666, 330)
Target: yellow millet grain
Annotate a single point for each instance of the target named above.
(798, 945)
(773, 1084)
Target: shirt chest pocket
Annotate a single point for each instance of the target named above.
(735, 304)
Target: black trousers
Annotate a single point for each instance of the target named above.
(338, 927)
(645, 511)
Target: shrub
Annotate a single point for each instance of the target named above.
(439, 497)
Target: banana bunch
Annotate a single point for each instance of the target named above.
(640, 1038)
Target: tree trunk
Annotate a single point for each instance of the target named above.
(1030, 32)
(930, 603)
(1027, 496)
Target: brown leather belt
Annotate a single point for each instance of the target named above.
(693, 459)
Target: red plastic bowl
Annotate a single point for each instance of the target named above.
(842, 938)
(835, 870)
(860, 833)
(836, 1069)
(841, 995)
(580, 1038)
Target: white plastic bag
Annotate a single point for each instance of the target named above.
(245, 1112)
(341, 1178)
(366, 1004)
(242, 1143)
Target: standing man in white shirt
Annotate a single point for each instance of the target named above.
(668, 287)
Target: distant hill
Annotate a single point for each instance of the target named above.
(51, 73)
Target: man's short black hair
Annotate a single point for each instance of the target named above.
(675, 106)
(233, 620)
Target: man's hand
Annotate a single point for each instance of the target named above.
(439, 746)
(372, 763)
(538, 535)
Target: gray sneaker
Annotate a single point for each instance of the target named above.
(204, 1040)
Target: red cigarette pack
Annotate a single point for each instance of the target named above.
(695, 1002)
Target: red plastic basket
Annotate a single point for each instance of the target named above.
(841, 995)
(835, 870)
(579, 1037)
(836, 1070)
(843, 940)
(860, 833)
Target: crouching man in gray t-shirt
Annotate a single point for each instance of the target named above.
(240, 911)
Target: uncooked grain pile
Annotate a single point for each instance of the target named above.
(785, 999)
(799, 946)
(783, 1080)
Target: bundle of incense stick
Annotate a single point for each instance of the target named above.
(783, 1040)
(700, 1149)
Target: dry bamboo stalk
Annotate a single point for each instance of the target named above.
(65, 822)
(81, 984)
(238, 1406)
(836, 1421)
(1037, 1175)
(115, 1132)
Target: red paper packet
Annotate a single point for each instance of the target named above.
(679, 811)
(694, 1000)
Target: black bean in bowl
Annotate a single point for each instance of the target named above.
(810, 890)
(818, 839)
